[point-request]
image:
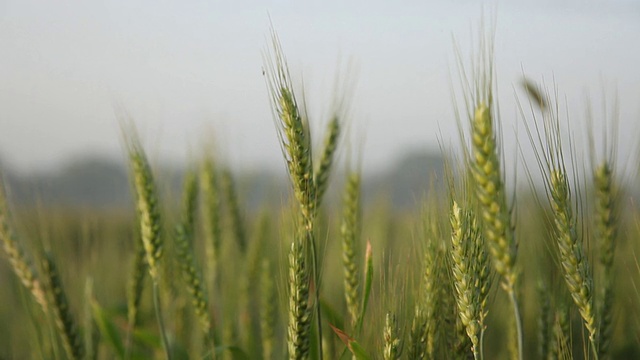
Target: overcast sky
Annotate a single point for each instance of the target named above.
(186, 70)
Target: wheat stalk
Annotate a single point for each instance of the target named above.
(148, 211)
(574, 264)
(495, 215)
(250, 277)
(134, 291)
(295, 141)
(268, 310)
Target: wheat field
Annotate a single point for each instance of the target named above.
(478, 271)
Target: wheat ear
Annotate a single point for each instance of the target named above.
(470, 274)
(294, 136)
(211, 219)
(184, 235)
(350, 230)
(392, 343)
(19, 262)
(574, 264)
(418, 339)
(71, 340)
(148, 211)
(147, 206)
(606, 229)
(496, 219)
(299, 311)
(321, 174)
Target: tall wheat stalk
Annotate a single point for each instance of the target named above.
(607, 221)
(495, 215)
(148, 210)
(295, 141)
(488, 178)
(574, 264)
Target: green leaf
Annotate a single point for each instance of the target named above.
(331, 315)
(107, 328)
(368, 281)
(356, 349)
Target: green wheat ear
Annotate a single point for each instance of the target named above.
(147, 206)
(184, 235)
(392, 343)
(470, 274)
(148, 212)
(418, 336)
(17, 258)
(136, 285)
(607, 233)
(350, 231)
(211, 219)
(293, 133)
(299, 310)
(71, 339)
(321, 174)
(491, 196)
(492, 204)
(574, 263)
(432, 289)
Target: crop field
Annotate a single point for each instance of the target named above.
(482, 269)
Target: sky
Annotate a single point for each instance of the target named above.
(190, 73)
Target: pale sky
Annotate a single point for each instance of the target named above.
(185, 70)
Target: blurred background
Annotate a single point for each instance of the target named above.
(190, 74)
